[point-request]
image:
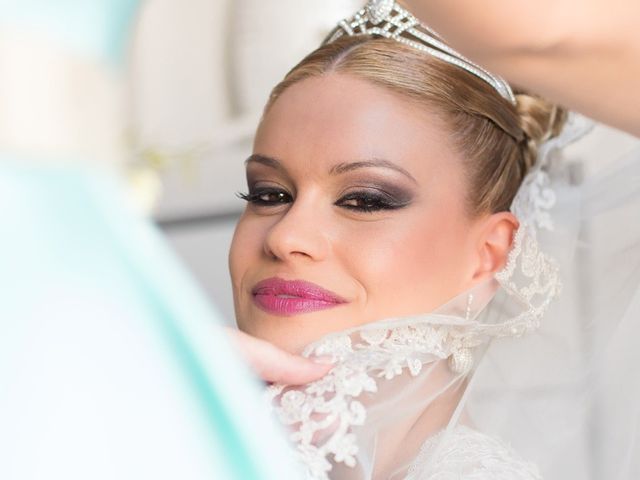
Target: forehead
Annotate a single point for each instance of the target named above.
(336, 118)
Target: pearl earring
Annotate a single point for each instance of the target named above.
(469, 302)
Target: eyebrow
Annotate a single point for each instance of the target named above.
(264, 160)
(374, 163)
(336, 169)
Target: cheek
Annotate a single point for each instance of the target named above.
(238, 252)
(245, 251)
(411, 266)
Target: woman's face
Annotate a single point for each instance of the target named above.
(356, 213)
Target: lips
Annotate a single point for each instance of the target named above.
(293, 297)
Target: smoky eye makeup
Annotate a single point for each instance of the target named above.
(262, 191)
(266, 196)
(371, 197)
(356, 192)
(266, 187)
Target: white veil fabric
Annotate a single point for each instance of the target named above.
(568, 396)
(529, 375)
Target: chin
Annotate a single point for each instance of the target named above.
(293, 333)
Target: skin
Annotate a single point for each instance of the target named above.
(582, 54)
(274, 365)
(594, 45)
(384, 263)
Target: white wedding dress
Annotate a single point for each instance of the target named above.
(471, 455)
(524, 377)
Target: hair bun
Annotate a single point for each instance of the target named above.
(540, 120)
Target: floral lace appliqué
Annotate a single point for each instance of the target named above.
(323, 413)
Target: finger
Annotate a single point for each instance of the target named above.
(278, 366)
(275, 365)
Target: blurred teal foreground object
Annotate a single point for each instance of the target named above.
(94, 28)
(111, 363)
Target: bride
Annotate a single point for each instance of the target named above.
(409, 223)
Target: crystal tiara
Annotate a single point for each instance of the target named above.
(385, 18)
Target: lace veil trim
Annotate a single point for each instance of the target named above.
(323, 414)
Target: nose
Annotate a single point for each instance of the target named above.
(300, 233)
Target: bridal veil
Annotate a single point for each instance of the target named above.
(530, 375)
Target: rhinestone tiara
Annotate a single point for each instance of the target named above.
(385, 18)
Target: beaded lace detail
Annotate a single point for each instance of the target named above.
(324, 413)
(530, 275)
(329, 408)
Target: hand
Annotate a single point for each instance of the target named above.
(275, 365)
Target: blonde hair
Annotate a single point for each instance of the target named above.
(498, 140)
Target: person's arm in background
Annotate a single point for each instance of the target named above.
(583, 54)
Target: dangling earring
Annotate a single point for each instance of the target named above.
(467, 316)
(461, 361)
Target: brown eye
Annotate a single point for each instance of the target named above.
(266, 197)
(361, 203)
(369, 201)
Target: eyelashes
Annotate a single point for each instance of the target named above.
(366, 200)
(266, 197)
(370, 201)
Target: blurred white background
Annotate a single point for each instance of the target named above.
(200, 74)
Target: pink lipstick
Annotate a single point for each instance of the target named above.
(292, 297)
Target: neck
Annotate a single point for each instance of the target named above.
(401, 442)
